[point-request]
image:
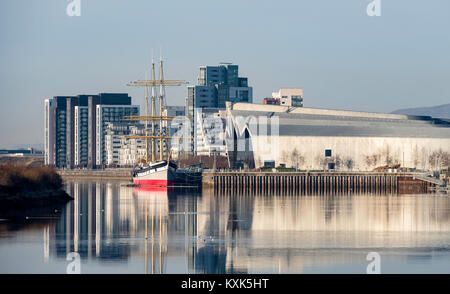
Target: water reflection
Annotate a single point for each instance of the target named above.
(163, 231)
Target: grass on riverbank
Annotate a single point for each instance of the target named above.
(17, 178)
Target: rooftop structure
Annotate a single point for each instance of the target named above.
(289, 97)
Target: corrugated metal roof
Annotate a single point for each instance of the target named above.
(307, 124)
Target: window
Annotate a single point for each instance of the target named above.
(327, 152)
(269, 163)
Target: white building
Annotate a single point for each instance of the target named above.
(48, 128)
(104, 115)
(289, 97)
(318, 139)
(210, 131)
(120, 150)
(131, 152)
(81, 135)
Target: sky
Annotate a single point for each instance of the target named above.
(340, 56)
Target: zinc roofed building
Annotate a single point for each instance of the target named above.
(317, 139)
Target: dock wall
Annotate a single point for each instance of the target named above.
(322, 183)
(101, 174)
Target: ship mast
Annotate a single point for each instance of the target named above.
(153, 83)
(161, 99)
(153, 114)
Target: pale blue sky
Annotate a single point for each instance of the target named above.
(340, 56)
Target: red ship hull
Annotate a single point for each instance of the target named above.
(160, 174)
(157, 183)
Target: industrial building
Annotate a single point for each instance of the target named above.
(321, 139)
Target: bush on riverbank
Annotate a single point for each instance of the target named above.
(15, 179)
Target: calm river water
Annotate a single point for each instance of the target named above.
(120, 229)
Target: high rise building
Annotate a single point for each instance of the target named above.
(107, 114)
(120, 150)
(72, 137)
(81, 135)
(215, 86)
(55, 130)
(218, 84)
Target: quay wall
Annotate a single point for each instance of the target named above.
(285, 182)
(101, 174)
(314, 182)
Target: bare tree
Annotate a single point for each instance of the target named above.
(338, 161)
(284, 156)
(372, 160)
(387, 155)
(349, 163)
(294, 158)
(416, 157)
(439, 159)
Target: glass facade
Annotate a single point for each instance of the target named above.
(70, 126)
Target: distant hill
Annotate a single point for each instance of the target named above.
(440, 111)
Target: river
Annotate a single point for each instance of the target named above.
(113, 228)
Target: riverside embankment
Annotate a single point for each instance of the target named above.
(322, 183)
(286, 182)
(23, 187)
(97, 174)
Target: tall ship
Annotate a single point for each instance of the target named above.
(158, 174)
(156, 170)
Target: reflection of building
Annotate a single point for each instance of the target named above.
(286, 234)
(103, 213)
(160, 232)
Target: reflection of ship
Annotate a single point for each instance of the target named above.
(156, 211)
